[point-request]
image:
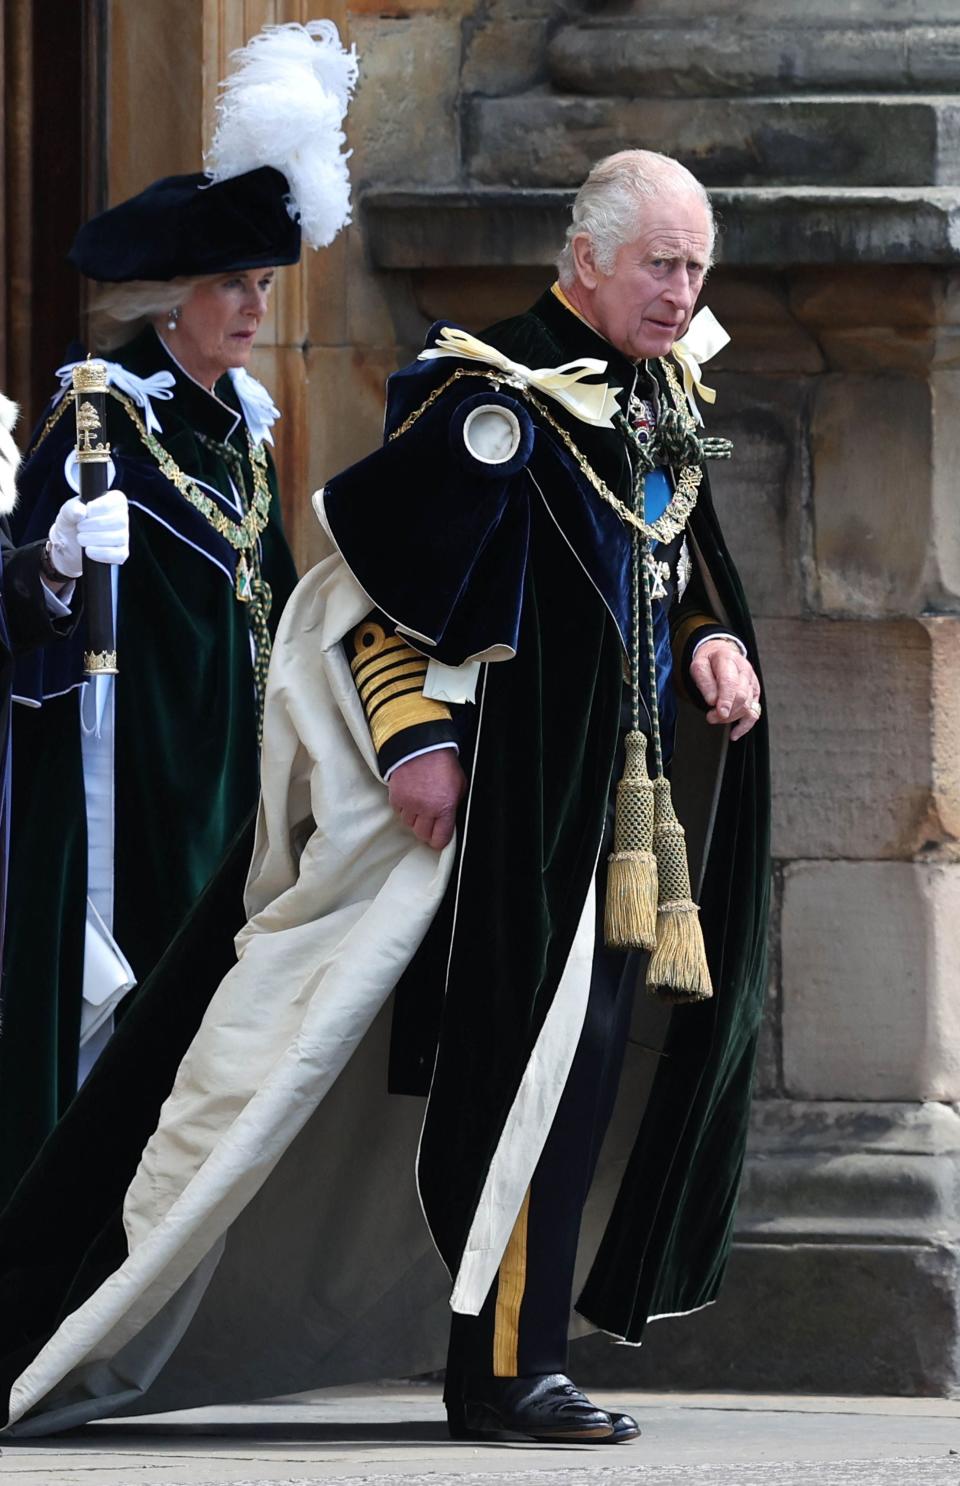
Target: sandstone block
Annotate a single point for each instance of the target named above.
(844, 1274)
(477, 297)
(943, 554)
(863, 14)
(345, 392)
(403, 121)
(870, 954)
(841, 1319)
(504, 54)
(625, 57)
(864, 728)
(283, 371)
(769, 1083)
(480, 226)
(761, 492)
(880, 319)
(767, 337)
(911, 298)
(870, 445)
(326, 296)
(543, 140)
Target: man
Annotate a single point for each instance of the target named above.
(636, 258)
(490, 635)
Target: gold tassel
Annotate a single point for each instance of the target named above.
(678, 969)
(630, 911)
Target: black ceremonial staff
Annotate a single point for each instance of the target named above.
(93, 460)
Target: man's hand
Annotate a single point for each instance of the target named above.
(425, 793)
(728, 684)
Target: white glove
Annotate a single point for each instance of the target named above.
(100, 529)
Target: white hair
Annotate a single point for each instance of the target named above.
(118, 312)
(608, 204)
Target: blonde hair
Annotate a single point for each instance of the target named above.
(608, 204)
(118, 312)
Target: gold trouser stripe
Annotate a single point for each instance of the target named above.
(511, 1283)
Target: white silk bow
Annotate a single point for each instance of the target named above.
(140, 389)
(260, 412)
(591, 402)
(704, 338)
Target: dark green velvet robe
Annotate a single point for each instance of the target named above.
(667, 1241)
(477, 993)
(186, 765)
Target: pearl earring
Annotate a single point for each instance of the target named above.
(174, 318)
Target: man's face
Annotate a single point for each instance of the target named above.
(647, 300)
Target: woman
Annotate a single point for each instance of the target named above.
(125, 802)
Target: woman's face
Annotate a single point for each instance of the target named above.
(218, 324)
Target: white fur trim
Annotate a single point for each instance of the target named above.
(9, 455)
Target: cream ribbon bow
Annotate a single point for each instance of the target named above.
(140, 389)
(704, 338)
(591, 402)
(259, 410)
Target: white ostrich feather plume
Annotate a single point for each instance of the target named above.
(9, 455)
(283, 105)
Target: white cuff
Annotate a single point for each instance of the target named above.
(724, 636)
(434, 748)
(58, 604)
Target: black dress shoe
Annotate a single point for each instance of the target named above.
(547, 1407)
(624, 1428)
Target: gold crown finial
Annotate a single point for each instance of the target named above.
(90, 376)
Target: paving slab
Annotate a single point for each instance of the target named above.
(394, 1435)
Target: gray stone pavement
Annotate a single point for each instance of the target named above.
(394, 1435)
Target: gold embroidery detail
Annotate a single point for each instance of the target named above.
(402, 682)
(664, 529)
(404, 712)
(250, 587)
(391, 666)
(389, 676)
(511, 1283)
(381, 650)
(53, 420)
(368, 640)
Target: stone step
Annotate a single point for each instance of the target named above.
(865, 14)
(540, 139)
(633, 56)
(488, 228)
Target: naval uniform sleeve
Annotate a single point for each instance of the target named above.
(34, 615)
(692, 623)
(389, 676)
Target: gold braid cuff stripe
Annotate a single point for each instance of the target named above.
(667, 526)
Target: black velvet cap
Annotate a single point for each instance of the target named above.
(183, 225)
